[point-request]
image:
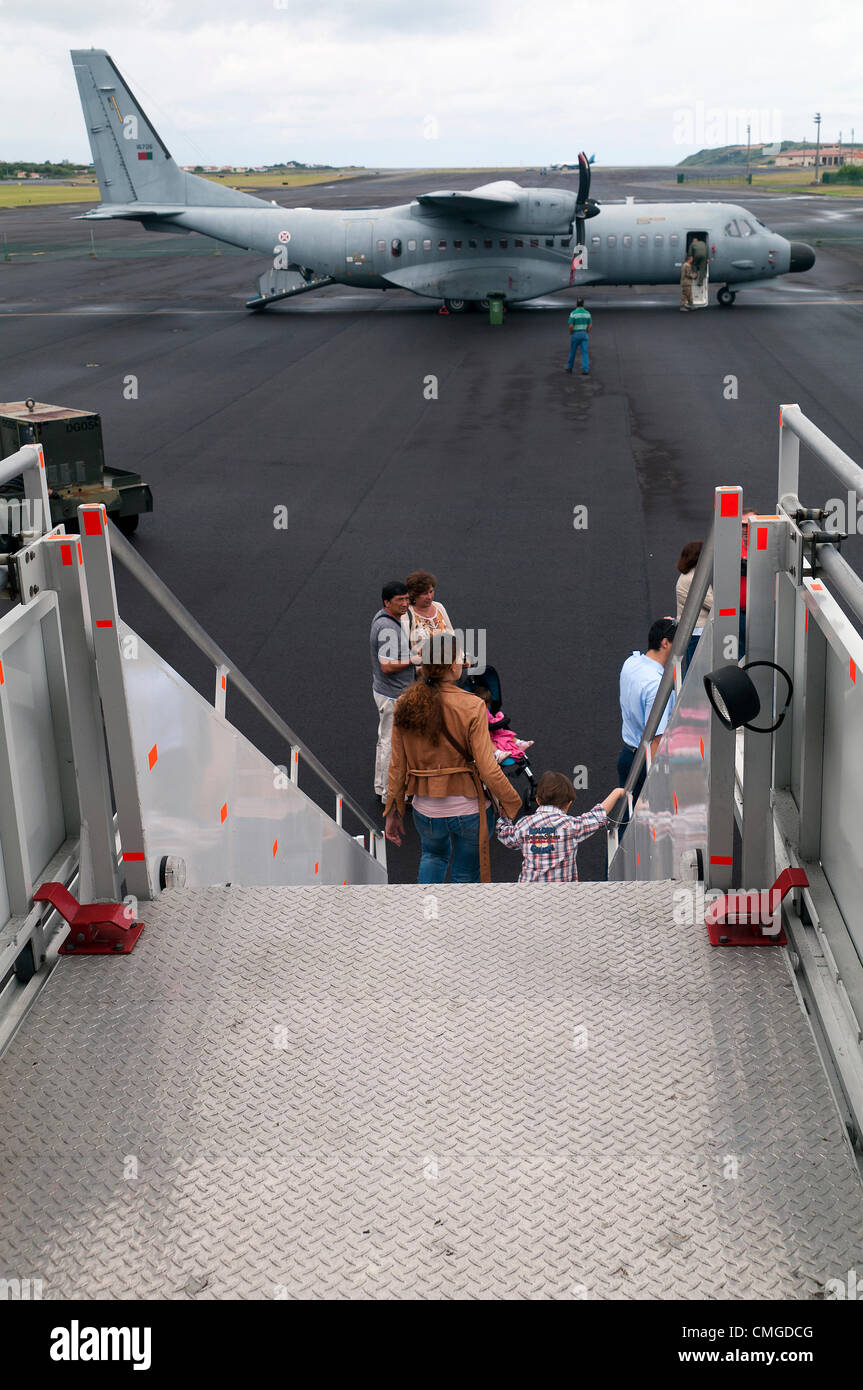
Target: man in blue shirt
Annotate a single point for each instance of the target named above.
(639, 681)
(579, 327)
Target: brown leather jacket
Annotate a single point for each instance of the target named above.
(465, 716)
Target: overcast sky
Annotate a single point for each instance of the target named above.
(437, 82)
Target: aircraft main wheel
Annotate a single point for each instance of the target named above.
(482, 304)
(726, 297)
(456, 306)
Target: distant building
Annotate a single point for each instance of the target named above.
(831, 157)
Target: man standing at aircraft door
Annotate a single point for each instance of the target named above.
(392, 671)
(698, 251)
(579, 326)
(687, 275)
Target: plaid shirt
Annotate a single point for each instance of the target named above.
(549, 842)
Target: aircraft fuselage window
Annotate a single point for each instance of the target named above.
(504, 245)
(659, 239)
(382, 246)
(534, 243)
(611, 241)
(456, 245)
(564, 243)
(441, 246)
(396, 246)
(488, 245)
(518, 244)
(674, 239)
(549, 241)
(472, 244)
(627, 241)
(642, 238)
(595, 240)
(426, 244)
(412, 246)
(732, 228)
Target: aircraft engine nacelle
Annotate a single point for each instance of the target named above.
(547, 210)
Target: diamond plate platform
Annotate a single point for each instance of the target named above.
(538, 1092)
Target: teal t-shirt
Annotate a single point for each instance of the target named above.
(579, 320)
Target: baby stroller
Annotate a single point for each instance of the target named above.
(515, 767)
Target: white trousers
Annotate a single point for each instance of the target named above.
(386, 704)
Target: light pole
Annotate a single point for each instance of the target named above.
(748, 142)
(817, 143)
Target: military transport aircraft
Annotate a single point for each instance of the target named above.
(453, 245)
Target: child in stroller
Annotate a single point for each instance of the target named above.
(509, 750)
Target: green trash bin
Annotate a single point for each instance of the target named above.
(681, 178)
(495, 308)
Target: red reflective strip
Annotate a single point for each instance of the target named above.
(637, 860)
(153, 757)
(819, 588)
(727, 612)
(316, 868)
(654, 834)
(132, 858)
(65, 554)
(93, 522)
(80, 554)
(780, 417)
(675, 803)
(275, 848)
(223, 682)
(721, 859)
(223, 814)
(104, 622)
(853, 671)
(761, 534)
(806, 620)
(2, 677)
(729, 503)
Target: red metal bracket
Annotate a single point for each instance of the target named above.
(752, 919)
(97, 929)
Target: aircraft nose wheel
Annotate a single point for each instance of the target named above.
(725, 297)
(456, 306)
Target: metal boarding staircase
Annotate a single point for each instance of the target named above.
(300, 1085)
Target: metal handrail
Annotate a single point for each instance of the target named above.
(701, 581)
(128, 556)
(840, 463)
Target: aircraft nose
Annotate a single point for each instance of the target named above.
(802, 256)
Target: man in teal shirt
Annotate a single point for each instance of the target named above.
(579, 327)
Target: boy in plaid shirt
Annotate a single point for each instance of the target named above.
(549, 838)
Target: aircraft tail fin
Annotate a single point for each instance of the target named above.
(133, 164)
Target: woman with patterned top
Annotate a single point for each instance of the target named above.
(425, 617)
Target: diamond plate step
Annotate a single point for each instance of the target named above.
(467, 1092)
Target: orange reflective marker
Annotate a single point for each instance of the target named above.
(223, 814)
(93, 523)
(729, 504)
(66, 554)
(701, 746)
(675, 803)
(2, 677)
(761, 537)
(316, 868)
(275, 848)
(153, 757)
(853, 672)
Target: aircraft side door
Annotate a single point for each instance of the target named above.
(359, 255)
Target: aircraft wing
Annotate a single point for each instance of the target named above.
(131, 210)
(461, 202)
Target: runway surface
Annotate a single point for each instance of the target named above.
(319, 405)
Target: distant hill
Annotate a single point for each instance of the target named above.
(736, 154)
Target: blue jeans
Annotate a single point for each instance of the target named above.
(442, 836)
(577, 340)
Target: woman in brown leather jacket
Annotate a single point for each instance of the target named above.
(442, 755)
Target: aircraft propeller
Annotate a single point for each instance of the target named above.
(585, 205)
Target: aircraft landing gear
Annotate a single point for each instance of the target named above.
(725, 297)
(456, 306)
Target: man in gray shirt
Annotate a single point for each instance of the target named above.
(392, 671)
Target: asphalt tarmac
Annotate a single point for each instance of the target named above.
(318, 405)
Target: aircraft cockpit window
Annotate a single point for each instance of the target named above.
(627, 241)
(642, 238)
(732, 228)
(382, 246)
(412, 246)
(396, 246)
(611, 241)
(426, 244)
(595, 241)
(746, 228)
